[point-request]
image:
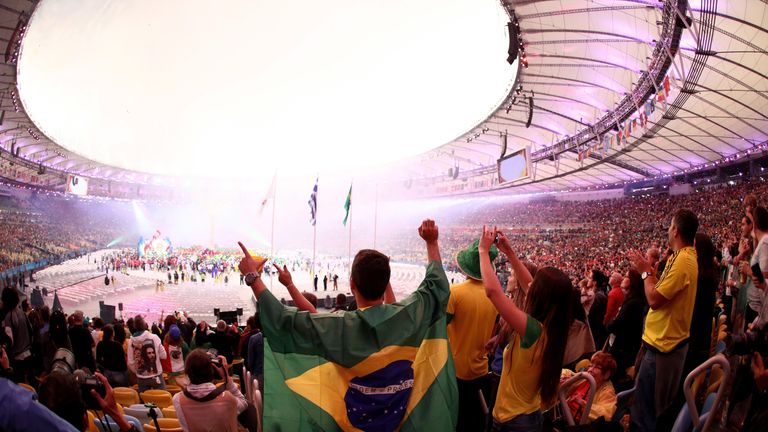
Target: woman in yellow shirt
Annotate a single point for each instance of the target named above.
(533, 360)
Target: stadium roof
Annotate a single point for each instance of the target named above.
(592, 68)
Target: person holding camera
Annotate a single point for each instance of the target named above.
(204, 407)
(64, 397)
(533, 359)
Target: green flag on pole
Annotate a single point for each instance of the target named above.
(348, 204)
(387, 367)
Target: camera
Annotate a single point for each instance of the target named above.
(215, 362)
(747, 343)
(64, 362)
(87, 383)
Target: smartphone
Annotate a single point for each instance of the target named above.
(758, 273)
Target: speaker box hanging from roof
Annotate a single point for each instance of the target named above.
(530, 111)
(512, 51)
(503, 145)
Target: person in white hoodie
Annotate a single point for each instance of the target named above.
(144, 354)
(204, 407)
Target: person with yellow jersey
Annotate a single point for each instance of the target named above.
(471, 318)
(533, 360)
(667, 325)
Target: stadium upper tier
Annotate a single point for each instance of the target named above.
(602, 94)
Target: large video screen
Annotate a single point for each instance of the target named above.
(515, 167)
(77, 185)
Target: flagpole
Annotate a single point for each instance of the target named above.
(349, 244)
(314, 244)
(314, 231)
(376, 216)
(272, 234)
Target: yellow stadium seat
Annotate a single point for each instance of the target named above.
(172, 389)
(221, 382)
(169, 412)
(161, 398)
(126, 396)
(166, 425)
(92, 423)
(120, 409)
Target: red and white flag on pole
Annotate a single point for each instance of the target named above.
(269, 195)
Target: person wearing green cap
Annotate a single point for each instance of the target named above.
(471, 318)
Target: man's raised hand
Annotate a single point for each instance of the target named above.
(428, 231)
(283, 275)
(250, 264)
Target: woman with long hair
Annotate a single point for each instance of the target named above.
(496, 345)
(704, 306)
(534, 359)
(627, 327)
(111, 357)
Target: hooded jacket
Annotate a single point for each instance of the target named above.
(141, 350)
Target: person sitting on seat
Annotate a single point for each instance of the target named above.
(203, 406)
(604, 403)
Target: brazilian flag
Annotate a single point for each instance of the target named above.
(384, 368)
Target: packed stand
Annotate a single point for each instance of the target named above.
(650, 309)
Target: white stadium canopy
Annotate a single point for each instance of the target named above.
(603, 93)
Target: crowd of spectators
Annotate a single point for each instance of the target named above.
(39, 229)
(577, 236)
(611, 295)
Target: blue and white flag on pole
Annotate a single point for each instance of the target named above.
(313, 205)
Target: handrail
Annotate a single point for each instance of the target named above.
(590, 397)
(719, 359)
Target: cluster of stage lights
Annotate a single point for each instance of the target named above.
(518, 92)
(732, 158)
(476, 135)
(15, 100)
(17, 44)
(33, 133)
(520, 45)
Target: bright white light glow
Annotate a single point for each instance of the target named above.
(238, 87)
